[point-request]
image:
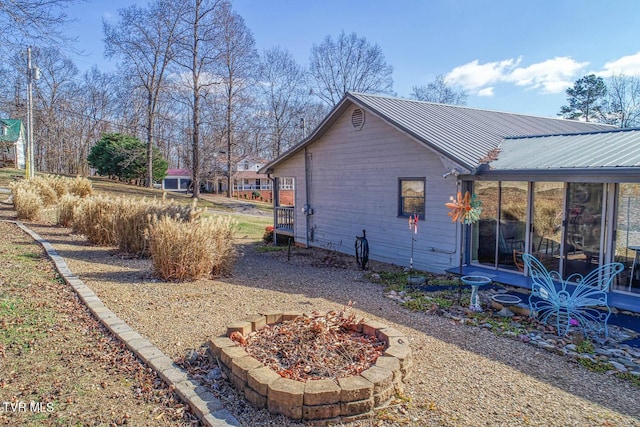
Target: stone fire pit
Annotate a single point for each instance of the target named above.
(342, 400)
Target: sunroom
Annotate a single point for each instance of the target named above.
(572, 201)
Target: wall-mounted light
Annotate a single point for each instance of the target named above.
(454, 172)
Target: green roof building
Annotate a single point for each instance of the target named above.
(12, 143)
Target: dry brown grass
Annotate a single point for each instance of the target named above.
(26, 202)
(41, 185)
(81, 187)
(31, 195)
(132, 217)
(93, 217)
(58, 183)
(66, 204)
(189, 251)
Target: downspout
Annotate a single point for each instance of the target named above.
(307, 184)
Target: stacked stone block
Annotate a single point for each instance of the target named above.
(323, 400)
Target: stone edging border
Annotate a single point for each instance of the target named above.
(323, 401)
(205, 405)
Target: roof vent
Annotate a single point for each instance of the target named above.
(357, 118)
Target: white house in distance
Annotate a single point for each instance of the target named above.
(565, 191)
(247, 181)
(12, 143)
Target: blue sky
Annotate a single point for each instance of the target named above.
(510, 55)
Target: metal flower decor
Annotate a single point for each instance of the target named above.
(465, 209)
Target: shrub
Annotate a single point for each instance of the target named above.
(81, 187)
(93, 217)
(267, 238)
(268, 234)
(189, 251)
(66, 206)
(27, 203)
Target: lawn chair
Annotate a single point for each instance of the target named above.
(567, 306)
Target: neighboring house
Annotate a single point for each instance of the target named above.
(247, 181)
(12, 143)
(177, 180)
(572, 198)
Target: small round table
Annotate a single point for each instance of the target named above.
(475, 282)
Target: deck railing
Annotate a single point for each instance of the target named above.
(284, 217)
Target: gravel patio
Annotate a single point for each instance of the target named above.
(462, 375)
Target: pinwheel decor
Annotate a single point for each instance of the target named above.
(465, 209)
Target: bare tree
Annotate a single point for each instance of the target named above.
(623, 101)
(145, 39)
(283, 87)
(198, 54)
(25, 22)
(347, 64)
(441, 92)
(53, 93)
(238, 61)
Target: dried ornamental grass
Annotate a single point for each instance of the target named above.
(188, 251)
(93, 217)
(27, 203)
(58, 183)
(81, 187)
(133, 217)
(66, 205)
(41, 186)
(223, 248)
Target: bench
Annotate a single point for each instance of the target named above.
(579, 302)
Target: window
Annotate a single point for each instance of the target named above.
(411, 197)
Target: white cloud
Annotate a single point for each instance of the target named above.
(551, 76)
(487, 91)
(473, 75)
(628, 65)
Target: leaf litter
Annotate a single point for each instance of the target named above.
(54, 353)
(317, 346)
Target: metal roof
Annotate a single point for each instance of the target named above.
(609, 149)
(12, 127)
(464, 135)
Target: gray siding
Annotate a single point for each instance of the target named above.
(354, 186)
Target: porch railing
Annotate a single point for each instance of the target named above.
(248, 187)
(284, 217)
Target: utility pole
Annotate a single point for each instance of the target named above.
(33, 73)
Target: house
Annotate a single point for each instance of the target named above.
(12, 143)
(247, 181)
(177, 180)
(566, 191)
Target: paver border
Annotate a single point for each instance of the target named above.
(204, 404)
